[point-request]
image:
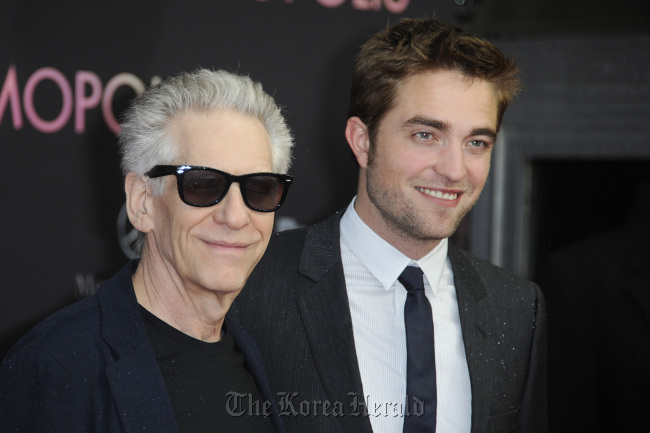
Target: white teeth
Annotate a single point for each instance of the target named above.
(438, 194)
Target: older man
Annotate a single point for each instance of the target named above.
(204, 156)
(388, 328)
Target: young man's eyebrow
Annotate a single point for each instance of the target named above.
(425, 121)
(444, 126)
(485, 131)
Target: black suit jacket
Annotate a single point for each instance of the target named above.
(295, 305)
(91, 368)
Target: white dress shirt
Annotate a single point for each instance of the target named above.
(372, 266)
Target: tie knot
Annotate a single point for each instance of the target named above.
(411, 278)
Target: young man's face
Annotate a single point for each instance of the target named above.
(430, 160)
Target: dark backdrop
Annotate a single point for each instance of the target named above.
(69, 67)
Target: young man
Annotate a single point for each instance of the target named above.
(355, 337)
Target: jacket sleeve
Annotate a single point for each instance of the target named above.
(533, 416)
(34, 392)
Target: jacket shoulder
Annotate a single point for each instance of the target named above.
(494, 278)
(62, 331)
(323, 233)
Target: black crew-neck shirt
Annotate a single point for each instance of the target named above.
(209, 384)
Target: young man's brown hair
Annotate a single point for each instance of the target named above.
(415, 46)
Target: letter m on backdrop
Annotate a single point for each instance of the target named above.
(10, 95)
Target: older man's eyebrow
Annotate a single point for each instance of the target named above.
(425, 121)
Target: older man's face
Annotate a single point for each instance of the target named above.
(214, 248)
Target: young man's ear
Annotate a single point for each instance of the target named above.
(356, 133)
(137, 202)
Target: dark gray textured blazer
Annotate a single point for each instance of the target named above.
(296, 307)
(91, 368)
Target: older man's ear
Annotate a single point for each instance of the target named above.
(138, 202)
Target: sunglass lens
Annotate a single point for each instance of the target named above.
(263, 192)
(202, 187)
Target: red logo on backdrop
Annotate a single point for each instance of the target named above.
(393, 6)
(75, 99)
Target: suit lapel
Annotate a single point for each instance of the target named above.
(475, 320)
(249, 349)
(140, 393)
(326, 315)
(135, 380)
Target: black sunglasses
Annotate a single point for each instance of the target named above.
(205, 186)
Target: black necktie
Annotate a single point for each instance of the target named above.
(420, 356)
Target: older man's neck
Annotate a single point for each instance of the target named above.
(196, 313)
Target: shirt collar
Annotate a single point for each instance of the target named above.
(382, 259)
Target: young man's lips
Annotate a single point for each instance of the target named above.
(444, 195)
